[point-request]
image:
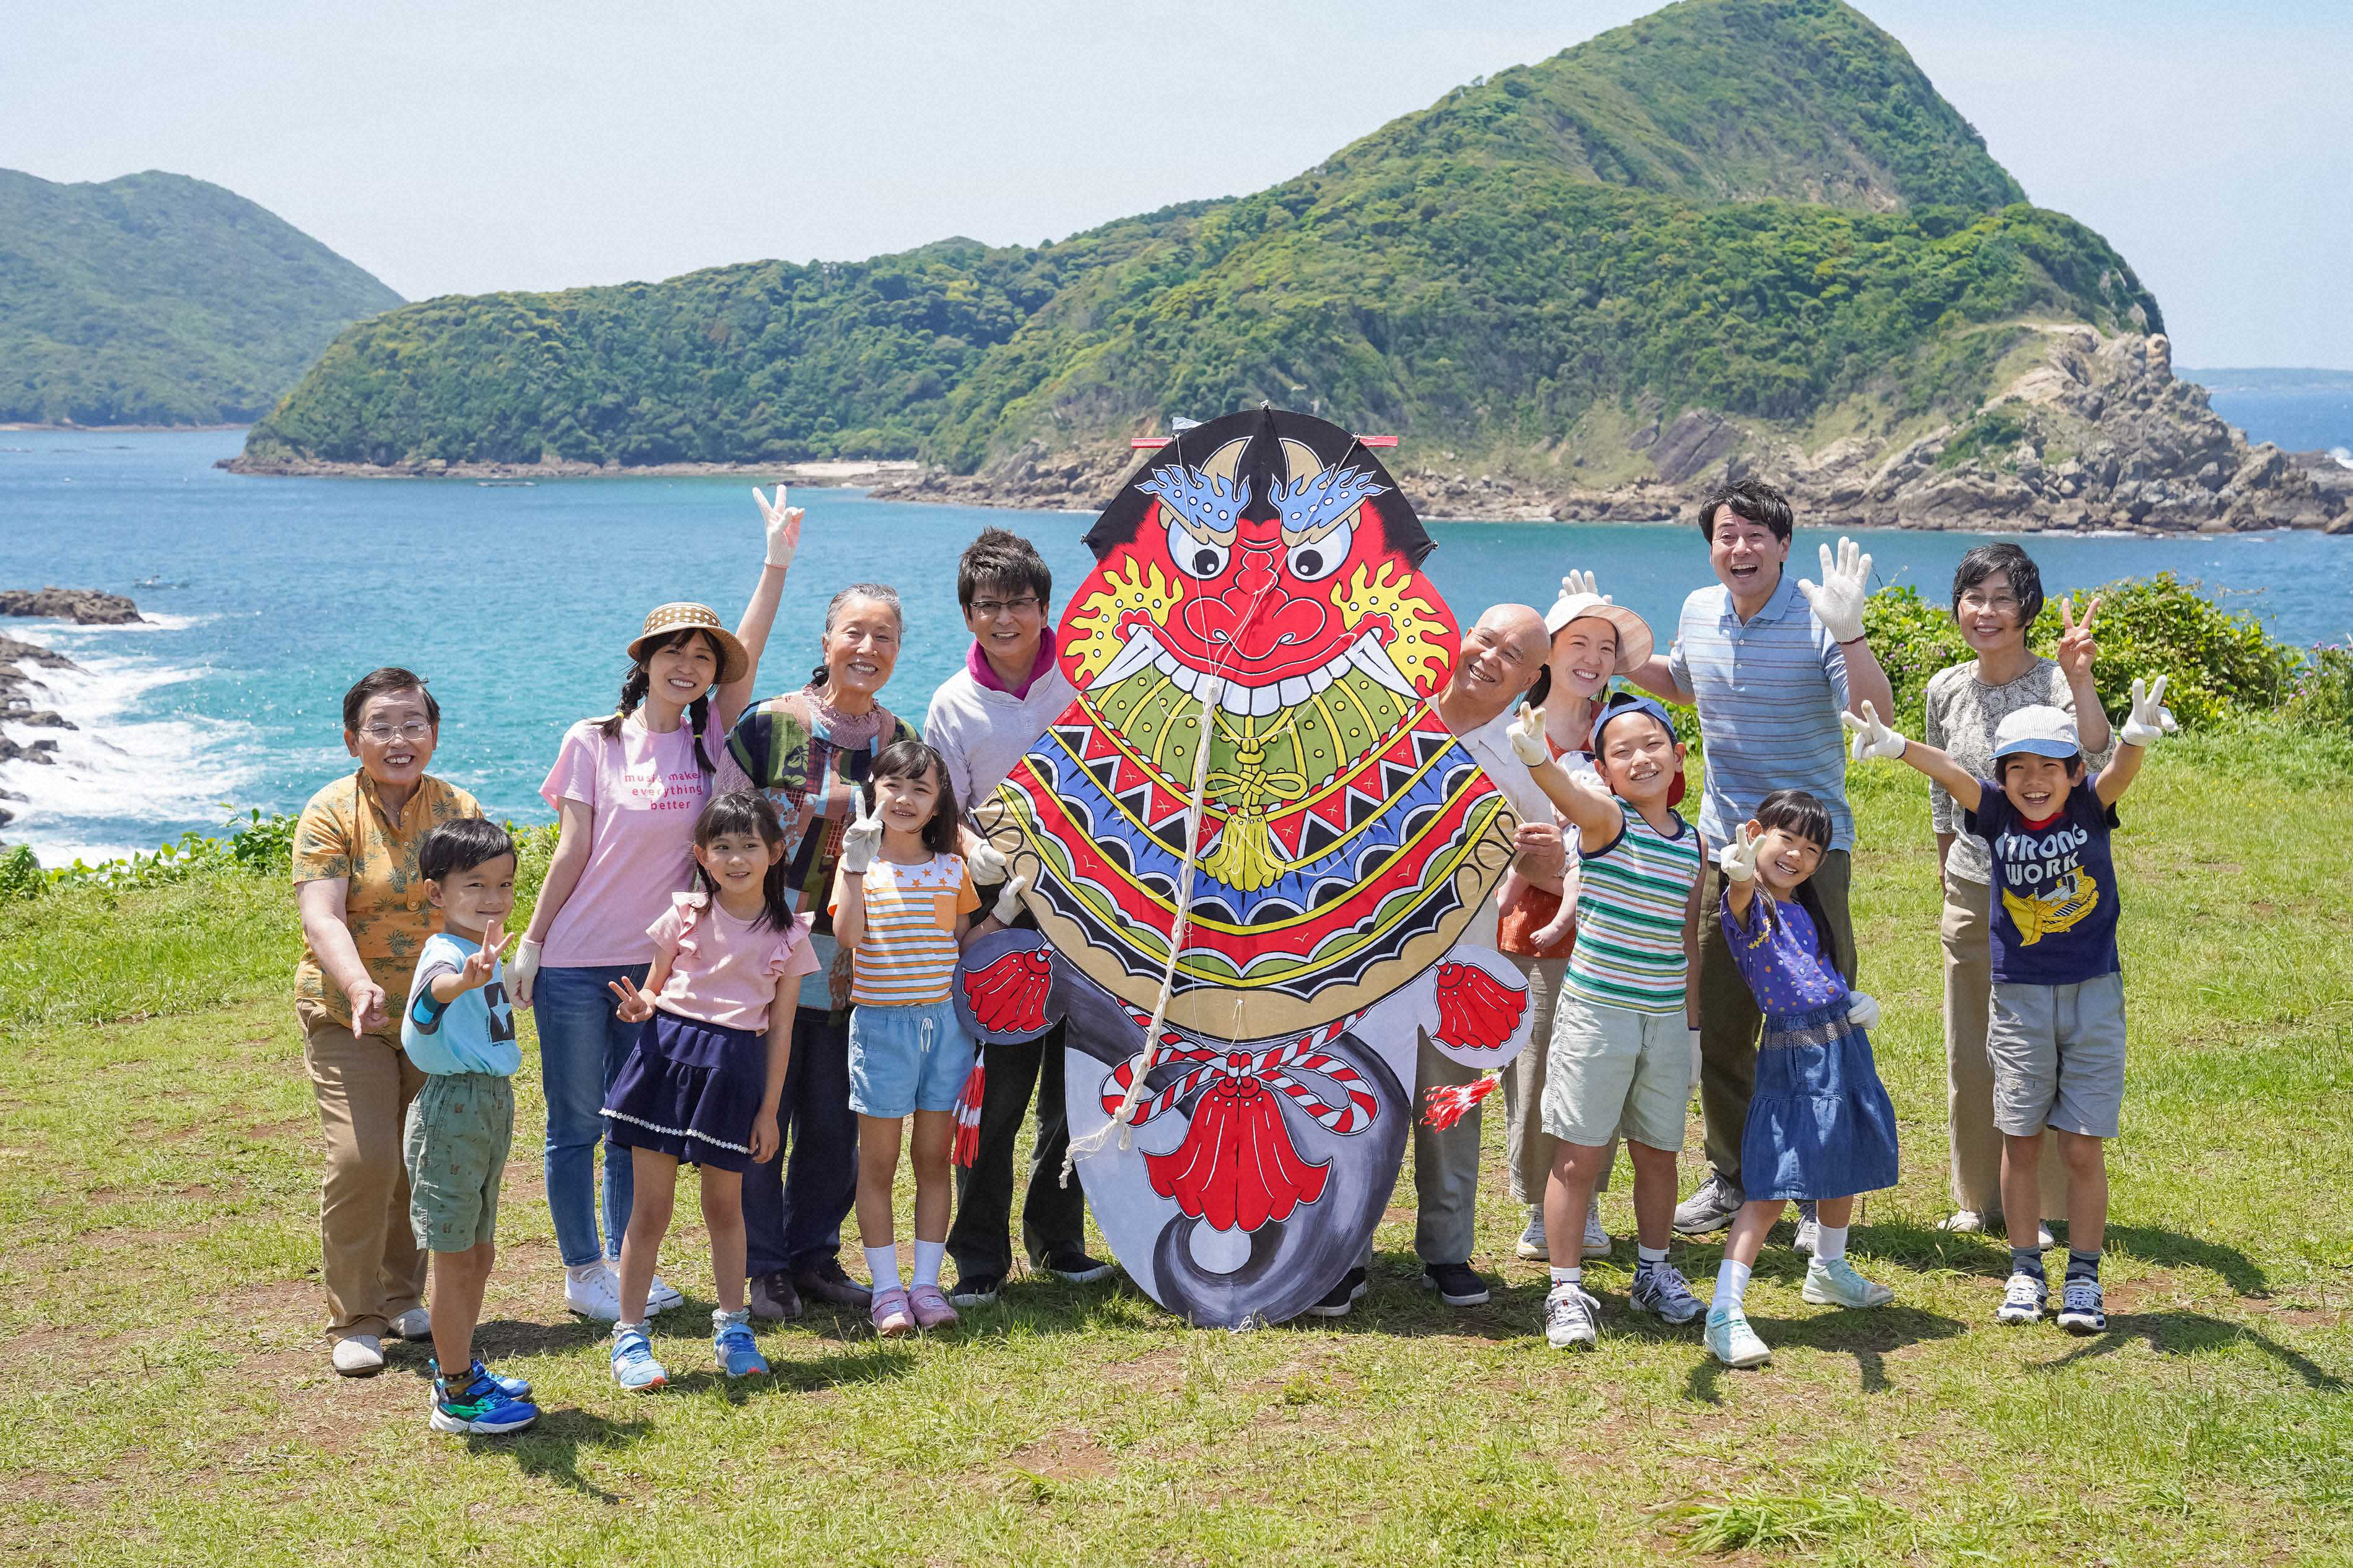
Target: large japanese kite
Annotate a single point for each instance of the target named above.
(1256, 589)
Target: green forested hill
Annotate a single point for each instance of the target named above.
(160, 300)
(1759, 205)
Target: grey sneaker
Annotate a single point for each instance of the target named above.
(1808, 1230)
(1711, 1208)
(1596, 1240)
(1572, 1317)
(1531, 1244)
(1659, 1288)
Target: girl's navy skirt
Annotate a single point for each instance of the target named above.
(1820, 1123)
(690, 1090)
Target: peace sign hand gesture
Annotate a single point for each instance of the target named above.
(1846, 583)
(1737, 859)
(483, 964)
(636, 1005)
(1872, 738)
(2076, 648)
(860, 839)
(2149, 720)
(784, 527)
(1526, 734)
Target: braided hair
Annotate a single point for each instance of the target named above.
(639, 681)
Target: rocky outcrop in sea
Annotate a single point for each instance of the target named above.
(2094, 433)
(23, 692)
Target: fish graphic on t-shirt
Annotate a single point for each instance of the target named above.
(2057, 911)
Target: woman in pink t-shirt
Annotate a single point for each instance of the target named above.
(626, 790)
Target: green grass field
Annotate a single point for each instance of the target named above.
(165, 1395)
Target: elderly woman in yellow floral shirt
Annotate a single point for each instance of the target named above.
(364, 916)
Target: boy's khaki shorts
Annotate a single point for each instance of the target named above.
(2058, 1055)
(1613, 1071)
(460, 1127)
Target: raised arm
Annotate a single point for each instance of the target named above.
(1598, 819)
(783, 524)
(1838, 605)
(2077, 652)
(1656, 674)
(1873, 739)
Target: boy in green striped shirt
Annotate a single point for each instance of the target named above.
(1624, 1041)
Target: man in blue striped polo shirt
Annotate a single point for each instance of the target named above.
(1769, 664)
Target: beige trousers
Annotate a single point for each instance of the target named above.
(1967, 931)
(370, 1262)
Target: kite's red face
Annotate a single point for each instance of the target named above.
(1281, 592)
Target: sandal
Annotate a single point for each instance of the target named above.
(891, 1317)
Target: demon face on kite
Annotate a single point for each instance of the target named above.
(1252, 820)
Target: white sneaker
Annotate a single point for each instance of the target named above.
(2021, 1300)
(1532, 1240)
(1596, 1240)
(359, 1355)
(415, 1324)
(597, 1297)
(1572, 1319)
(661, 1298)
(1963, 1221)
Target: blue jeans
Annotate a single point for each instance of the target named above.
(582, 1043)
(795, 1203)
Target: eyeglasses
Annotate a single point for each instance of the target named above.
(989, 609)
(415, 730)
(1978, 604)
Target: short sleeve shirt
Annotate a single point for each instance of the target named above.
(472, 1032)
(2056, 903)
(907, 955)
(345, 834)
(724, 970)
(644, 790)
(1769, 691)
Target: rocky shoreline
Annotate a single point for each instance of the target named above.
(21, 661)
(852, 472)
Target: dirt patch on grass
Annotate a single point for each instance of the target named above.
(1063, 1457)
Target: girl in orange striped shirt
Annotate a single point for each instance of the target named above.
(902, 905)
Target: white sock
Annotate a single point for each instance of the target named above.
(1572, 1275)
(927, 1261)
(882, 1263)
(1731, 1284)
(1646, 1256)
(1829, 1243)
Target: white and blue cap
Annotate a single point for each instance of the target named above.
(2041, 731)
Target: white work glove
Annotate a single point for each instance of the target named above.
(1872, 738)
(1526, 734)
(1861, 1011)
(2148, 723)
(1009, 902)
(1737, 859)
(860, 841)
(784, 527)
(1577, 583)
(523, 972)
(988, 863)
(1838, 603)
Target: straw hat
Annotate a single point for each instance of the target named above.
(1634, 639)
(683, 616)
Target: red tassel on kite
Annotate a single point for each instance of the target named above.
(967, 1147)
(1237, 1168)
(1451, 1103)
(1476, 1012)
(1008, 995)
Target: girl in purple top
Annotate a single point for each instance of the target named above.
(626, 789)
(1820, 1124)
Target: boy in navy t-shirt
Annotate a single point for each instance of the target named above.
(2057, 1040)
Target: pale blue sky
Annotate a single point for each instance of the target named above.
(451, 146)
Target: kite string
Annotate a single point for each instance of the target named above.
(1123, 1118)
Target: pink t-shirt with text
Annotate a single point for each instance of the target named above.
(724, 970)
(646, 790)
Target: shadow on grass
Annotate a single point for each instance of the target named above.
(2171, 1248)
(550, 1449)
(499, 1339)
(1868, 1336)
(2187, 1333)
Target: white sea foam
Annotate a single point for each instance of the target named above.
(2343, 456)
(120, 770)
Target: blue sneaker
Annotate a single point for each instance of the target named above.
(512, 1387)
(480, 1405)
(738, 1355)
(634, 1367)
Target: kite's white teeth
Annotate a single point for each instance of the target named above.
(1140, 649)
(1367, 655)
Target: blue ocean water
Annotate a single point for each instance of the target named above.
(2298, 410)
(517, 602)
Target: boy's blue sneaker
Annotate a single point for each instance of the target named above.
(634, 1367)
(512, 1387)
(480, 1406)
(730, 1332)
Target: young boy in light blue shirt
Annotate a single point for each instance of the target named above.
(458, 1030)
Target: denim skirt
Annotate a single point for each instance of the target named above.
(1820, 1123)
